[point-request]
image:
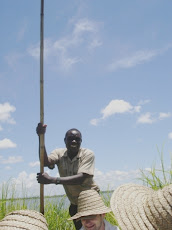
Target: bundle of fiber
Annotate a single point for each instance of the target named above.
(24, 219)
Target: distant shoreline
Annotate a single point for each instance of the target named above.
(37, 197)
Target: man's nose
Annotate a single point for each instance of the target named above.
(74, 141)
(87, 221)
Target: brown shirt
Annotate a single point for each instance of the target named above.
(82, 163)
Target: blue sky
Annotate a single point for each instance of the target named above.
(107, 72)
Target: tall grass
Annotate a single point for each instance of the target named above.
(157, 176)
(106, 198)
(57, 216)
(56, 213)
(8, 200)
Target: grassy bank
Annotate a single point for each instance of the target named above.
(56, 213)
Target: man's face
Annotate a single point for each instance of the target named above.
(73, 141)
(94, 222)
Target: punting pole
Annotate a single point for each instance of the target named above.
(42, 103)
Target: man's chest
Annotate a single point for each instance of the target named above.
(68, 167)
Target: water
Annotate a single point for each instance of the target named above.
(60, 201)
(34, 202)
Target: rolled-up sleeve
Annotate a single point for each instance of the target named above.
(87, 163)
(55, 155)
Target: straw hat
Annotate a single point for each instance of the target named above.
(90, 203)
(24, 219)
(141, 208)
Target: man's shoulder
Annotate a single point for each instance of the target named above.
(56, 155)
(59, 151)
(86, 154)
(85, 151)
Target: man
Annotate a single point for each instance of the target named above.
(75, 165)
(91, 212)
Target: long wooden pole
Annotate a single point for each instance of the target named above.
(42, 103)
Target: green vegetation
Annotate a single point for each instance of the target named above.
(157, 177)
(57, 214)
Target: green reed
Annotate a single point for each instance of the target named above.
(57, 215)
(8, 200)
(106, 198)
(157, 177)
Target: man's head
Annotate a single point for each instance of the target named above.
(73, 139)
(91, 210)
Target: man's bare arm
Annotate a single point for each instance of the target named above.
(69, 180)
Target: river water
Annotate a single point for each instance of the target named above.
(34, 202)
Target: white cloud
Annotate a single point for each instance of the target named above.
(64, 50)
(7, 143)
(164, 115)
(82, 26)
(34, 50)
(146, 118)
(95, 43)
(170, 135)
(11, 160)
(143, 102)
(137, 58)
(34, 164)
(121, 107)
(67, 62)
(5, 113)
(26, 185)
(1, 128)
(112, 179)
(95, 121)
(137, 109)
(116, 107)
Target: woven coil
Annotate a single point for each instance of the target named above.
(141, 208)
(24, 219)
